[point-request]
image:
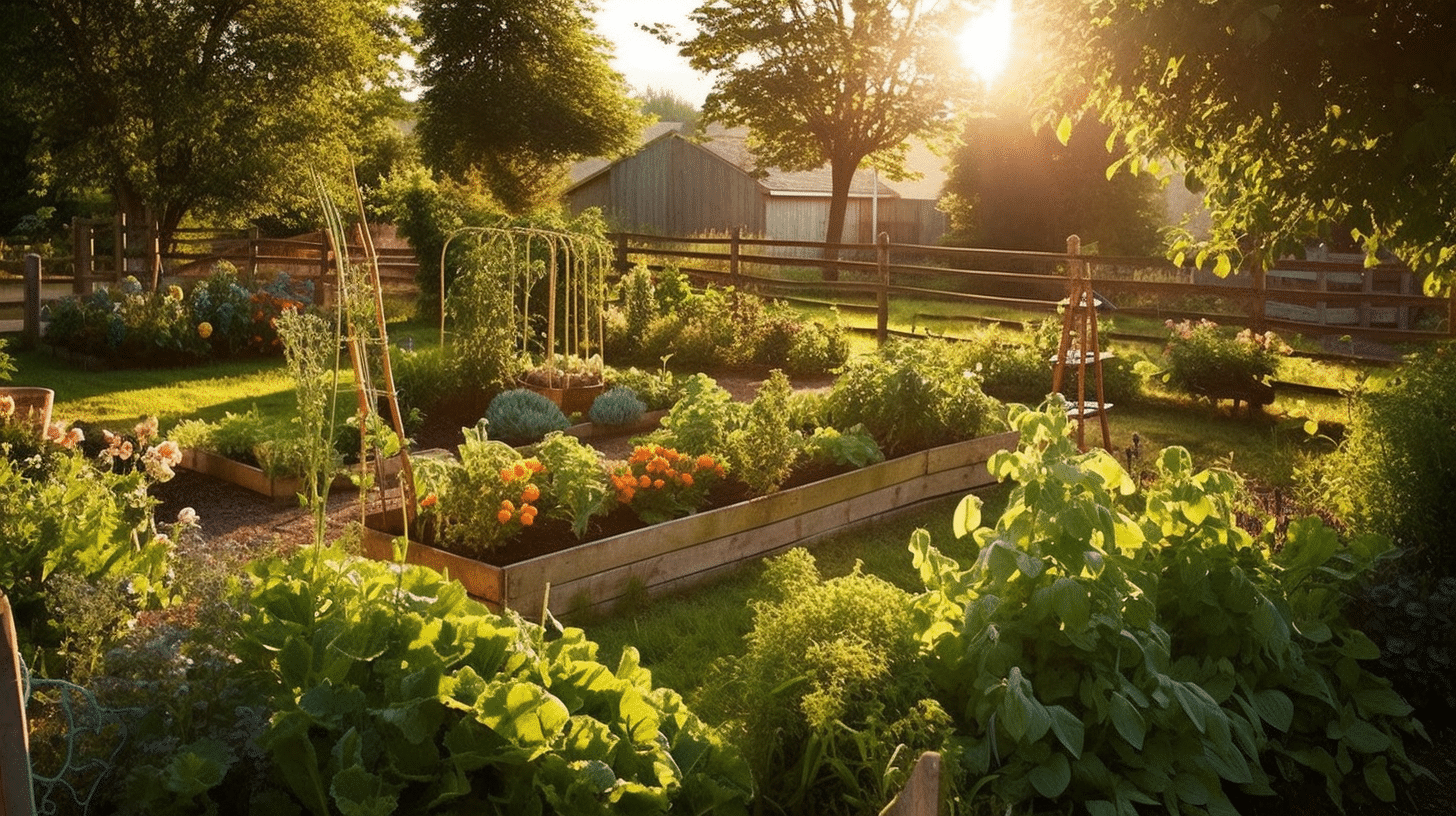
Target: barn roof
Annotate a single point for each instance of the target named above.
(731, 145)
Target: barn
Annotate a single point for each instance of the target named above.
(684, 184)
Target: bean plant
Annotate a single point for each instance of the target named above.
(1119, 648)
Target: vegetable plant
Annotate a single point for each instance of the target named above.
(1119, 649)
(479, 501)
(763, 451)
(381, 688)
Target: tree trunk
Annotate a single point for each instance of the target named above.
(841, 173)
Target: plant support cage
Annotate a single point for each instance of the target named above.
(574, 267)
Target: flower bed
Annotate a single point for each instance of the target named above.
(677, 554)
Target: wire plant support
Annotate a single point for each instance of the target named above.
(1079, 346)
(575, 268)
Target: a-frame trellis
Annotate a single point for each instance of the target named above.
(1080, 347)
(367, 337)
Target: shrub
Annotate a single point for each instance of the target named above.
(850, 448)
(763, 451)
(225, 305)
(818, 347)
(354, 686)
(639, 300)
(828, 694)
(617, 406)
(521, 416)
(912, 395)
(1204, 361)
(422, 378)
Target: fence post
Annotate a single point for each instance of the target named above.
(31, 317)
(253, 253)
(621, 262)
(882, 260)
(81, 247)
(734, 237)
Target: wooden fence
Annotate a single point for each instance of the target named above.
(1381, 304)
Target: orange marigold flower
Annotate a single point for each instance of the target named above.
(507, 474)
(640, 455)
(686, 479)
(535, 466)
(430, 500)
(705, 461)
(503, 516)
(531, 493)
(659, 484)
(644, 482)
(507, 506)
(521, 471)
(626, 495)
(527, 519)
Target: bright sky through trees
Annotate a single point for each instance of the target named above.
(986, 41)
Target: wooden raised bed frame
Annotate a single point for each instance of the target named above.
(687, 551)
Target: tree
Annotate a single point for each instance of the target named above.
(668, 107)
(1296, 118)
(177, 107)
(1012, 187)
(518, 89)
(821, 81)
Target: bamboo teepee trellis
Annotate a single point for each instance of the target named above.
(1080, 347)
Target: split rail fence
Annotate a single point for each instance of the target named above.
(1342, 298)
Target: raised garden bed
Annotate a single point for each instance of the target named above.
(278, 488)
(683, 552)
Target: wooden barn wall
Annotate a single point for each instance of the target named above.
(674, 188)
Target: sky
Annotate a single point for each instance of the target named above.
(640, 57)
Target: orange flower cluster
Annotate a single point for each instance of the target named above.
(655, 468)
(525, 511)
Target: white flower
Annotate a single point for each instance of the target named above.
(187, 517)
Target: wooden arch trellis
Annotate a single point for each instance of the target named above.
(575, 267)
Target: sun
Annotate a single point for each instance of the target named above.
(986, 41)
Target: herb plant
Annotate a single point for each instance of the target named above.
(576, 479)
(521, 416)
(763, 451)
(481, 500)
(617, 406)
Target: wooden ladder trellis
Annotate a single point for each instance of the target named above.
(367, 337)
(1080, 346)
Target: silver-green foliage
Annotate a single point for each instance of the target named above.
(520, 416)
(617, 406)
(1119, 649)
(387, 690)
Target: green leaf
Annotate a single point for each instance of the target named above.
(1365, 738)
(1224, 266)
(288, 744)
(967, 516)
(1128, 721)
(1359, 646)
(198, 768)
(1069, 729)
(1274, 707)
(1377, 778)
(1064, 130)
(1052, 776)
(1381, 701)
(295, 662)
(358, 792)
(524, 714)
(1072, 603)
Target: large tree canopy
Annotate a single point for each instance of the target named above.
(516, 89)
(196, 106)
(836, 81)
(1296, 117)
(1012, 187)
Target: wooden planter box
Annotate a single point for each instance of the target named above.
(280, 489)
(687, 551)
(591, 430)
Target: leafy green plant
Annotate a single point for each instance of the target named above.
(763, 451)
(912, 395)
(639, 300)
(617, 406)
(74, 525)
(659, 389)
(382, 688)
(701, 419)
(423, 377)
(273, 444)
(818, 347)
(484, 341)
(1118, 650)
(521, 416)
(853, 447)
(576, 479)
(831, 697)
